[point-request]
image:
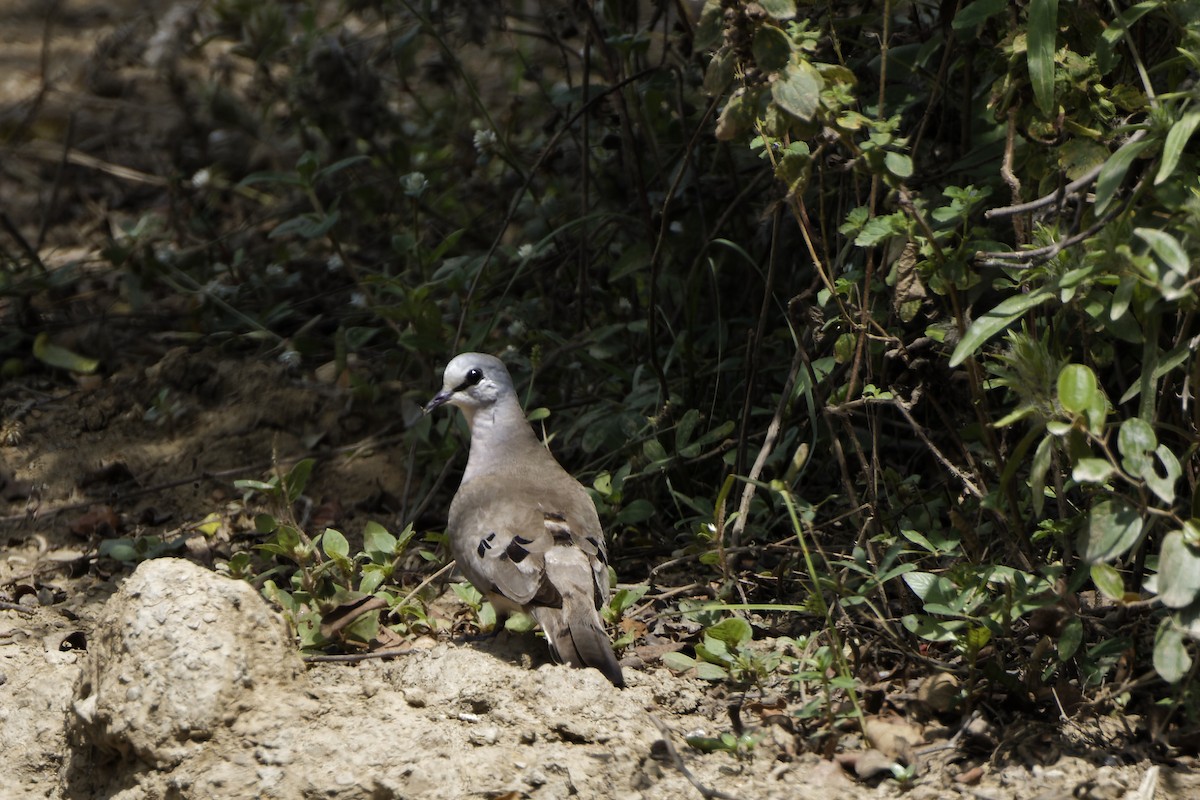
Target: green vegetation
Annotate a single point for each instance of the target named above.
(874, 324)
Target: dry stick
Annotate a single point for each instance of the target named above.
(20, 609)
(1001, 259)
(677, 760)
(1010, 177)
(739, 525)
(51, 153)
(365, 609)
(1074, 187)
(352, 657)
(924, 437)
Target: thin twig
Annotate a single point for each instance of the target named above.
(677, 760)
(1002, 259)
(20, 609)
(51, 153)
(924, 437)
(353, 657)
(768, 446)
(1073, 187)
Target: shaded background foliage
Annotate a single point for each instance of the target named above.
(880, 312)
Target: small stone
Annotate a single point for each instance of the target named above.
(484, 736)
(416, 697)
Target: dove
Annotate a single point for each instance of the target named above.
(524, 532)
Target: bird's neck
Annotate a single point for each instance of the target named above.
(499, 436)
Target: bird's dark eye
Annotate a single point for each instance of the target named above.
(474, 376)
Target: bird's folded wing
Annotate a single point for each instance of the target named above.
(502, 537)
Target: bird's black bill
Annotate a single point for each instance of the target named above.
(439, 399)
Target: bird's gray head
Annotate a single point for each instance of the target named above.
(472, 381)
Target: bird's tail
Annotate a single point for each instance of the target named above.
(576, 635)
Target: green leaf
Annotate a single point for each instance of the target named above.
(779, 9)
(372, 576)
(772, 48)
(338, 166)
(376, 539)
(1167, 248)
(1108, 581)
(297, 479)
(920, 582)
(734, 631)
(799, 90)
(1070, 638)
(678, 662)
(899, 164)
(363, 629)
(1093, 470)
(265, 523)
(685, 428)
(1162, 485)
(310, 225)
(335, 545)
(879, 229)
(60, 357)
(1122, 297)
(1171, 658)
(516, 623)
(636, 511)
(1113, 527)
(974, 14)
(1167, 363)
(718, 75)
(655, 452)
(996, 320)
(1178, 571)
(1076, 387)
(1037, 474)
(710, 28)
(1177, 139)
(467, 593)
(710, 672)
(119, 550)
(917, 538)
(1113, 172)
(931, 629)
(1042, 39)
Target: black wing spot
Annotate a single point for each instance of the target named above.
(556, 516)
(562, 536)
(485, 544)
(594, 542)
(515, 551)
(522, 540)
